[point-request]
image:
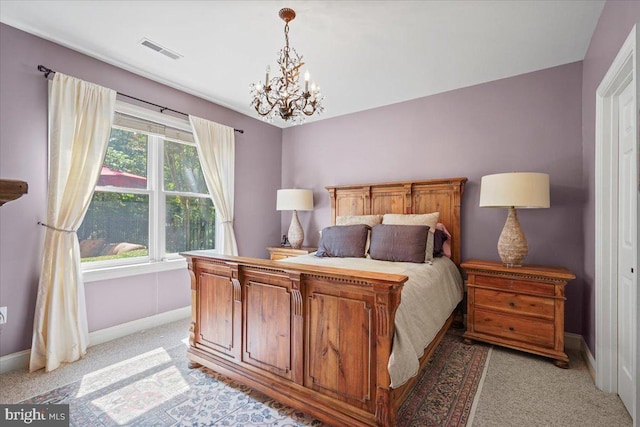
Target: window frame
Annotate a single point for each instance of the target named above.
(156, 260)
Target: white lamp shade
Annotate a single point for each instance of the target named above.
(517, 189)
(294, 200)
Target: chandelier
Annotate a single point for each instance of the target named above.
(282, 95)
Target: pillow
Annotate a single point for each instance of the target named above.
(430, 219)
(428, 257)
(438, 242)
(369, 220)
(399, 243)
(446, 247)
(343, 241)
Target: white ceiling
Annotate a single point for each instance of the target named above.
(364, 54)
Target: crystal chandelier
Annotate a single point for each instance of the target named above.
(282, 95)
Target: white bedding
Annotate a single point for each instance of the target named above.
(427, 300)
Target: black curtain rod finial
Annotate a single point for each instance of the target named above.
(45, 70)
(48, 71)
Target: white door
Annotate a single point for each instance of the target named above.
(627, 246)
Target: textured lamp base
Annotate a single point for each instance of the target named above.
(296, 235)
(512, 245)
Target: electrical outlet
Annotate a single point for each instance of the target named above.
(3, 315)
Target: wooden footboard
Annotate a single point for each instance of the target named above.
(317, 339)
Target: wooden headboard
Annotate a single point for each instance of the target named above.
(406, 197)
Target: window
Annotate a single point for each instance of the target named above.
(151, 200)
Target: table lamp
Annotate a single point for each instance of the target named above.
(517, 190)
(295, 200)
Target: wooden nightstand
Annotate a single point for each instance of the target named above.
(517, 307)
(281, 252)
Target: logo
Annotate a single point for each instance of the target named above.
(53, 415)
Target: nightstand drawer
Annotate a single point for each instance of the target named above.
(522, 329)
(515, 303)
(515, 285)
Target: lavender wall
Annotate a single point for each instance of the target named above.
(23, 155)
(531, 122)
(616, 21)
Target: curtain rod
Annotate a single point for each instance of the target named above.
(48, 71)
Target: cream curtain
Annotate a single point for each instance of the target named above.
(216, 151)
(80, 118)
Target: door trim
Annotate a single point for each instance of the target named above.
(623, 70)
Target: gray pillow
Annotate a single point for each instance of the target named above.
(342, 241)
(399, 243)
(438, 243)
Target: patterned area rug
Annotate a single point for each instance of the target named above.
(444, 394)
(158, 389)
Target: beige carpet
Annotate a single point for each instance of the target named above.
(518, 389)
(19, 385)
(525, 390)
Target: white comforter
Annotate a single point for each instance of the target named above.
(427, 300)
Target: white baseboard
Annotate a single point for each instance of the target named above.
(14, 361)
(119, 331)
(577, 342)
(590, 360)
(20, 360)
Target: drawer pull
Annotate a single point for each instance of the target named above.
(511, 328)
(512, 304)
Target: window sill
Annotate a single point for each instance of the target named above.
(115, 272)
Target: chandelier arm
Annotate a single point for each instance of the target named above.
(257, 106)
(260, 111)
(259, 103)
(271, 103)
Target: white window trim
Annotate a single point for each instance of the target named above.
(153, 116)
(113, 269)
(119, 271)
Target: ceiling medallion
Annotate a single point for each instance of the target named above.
(282, 95)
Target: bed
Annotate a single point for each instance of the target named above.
(319, 338)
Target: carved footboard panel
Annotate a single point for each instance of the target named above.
(316, 339)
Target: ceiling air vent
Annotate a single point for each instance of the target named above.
(155, 46)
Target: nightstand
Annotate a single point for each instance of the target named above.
(281, 252)
(517, 307)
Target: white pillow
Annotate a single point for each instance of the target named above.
(430, 219)
(369, 220)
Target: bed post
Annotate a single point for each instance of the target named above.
(386, 305)
(194, 302)
(332, 195)
(458, 189)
